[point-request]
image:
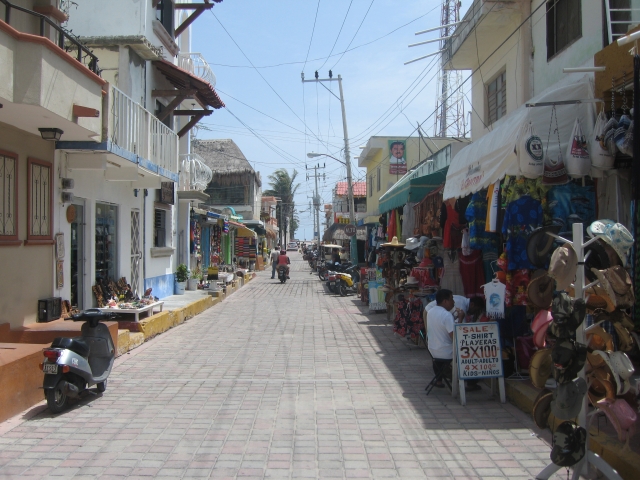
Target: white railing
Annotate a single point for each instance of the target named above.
(196, 64)
(138, 131)
(194, 174)
(624, 17)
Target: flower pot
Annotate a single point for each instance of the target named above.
(179, 288)
(192, 284)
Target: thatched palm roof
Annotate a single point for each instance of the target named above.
(226, 160)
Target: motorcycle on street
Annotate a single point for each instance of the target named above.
(347, 281)
(71, 365)
(282, 274)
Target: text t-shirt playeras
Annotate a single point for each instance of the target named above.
(494, 294)
(439, 326)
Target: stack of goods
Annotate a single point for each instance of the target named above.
(107, 291)
(244, 249)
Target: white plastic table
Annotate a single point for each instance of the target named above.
(135, 311)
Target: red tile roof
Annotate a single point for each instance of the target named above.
(359, 189)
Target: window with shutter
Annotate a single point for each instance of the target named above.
(564, 24)
(160, 228)
(8, 198)
(497, 98)
(39, 195)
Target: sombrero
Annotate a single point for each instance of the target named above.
(542, 409)
(541, 367)
(393, 243)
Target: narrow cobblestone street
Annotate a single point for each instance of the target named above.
(279, 381)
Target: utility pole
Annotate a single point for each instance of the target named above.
(347, 157)
(316, 198)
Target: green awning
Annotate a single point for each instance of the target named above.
(412, 188)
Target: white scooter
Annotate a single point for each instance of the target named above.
(72, 365)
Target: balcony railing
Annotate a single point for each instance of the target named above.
(196, 64)
(56, 34)
(194, 174)
(138, 131)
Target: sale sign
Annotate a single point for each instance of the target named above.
(479, 354)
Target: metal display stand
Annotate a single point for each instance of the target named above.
(579, 288)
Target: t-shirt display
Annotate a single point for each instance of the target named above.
(522, 217)
(494, 294)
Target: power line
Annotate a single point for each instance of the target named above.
(311, 39)
(354, 35)
(334, 43)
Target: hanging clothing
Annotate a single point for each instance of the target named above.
(493, 195)
(391, 227)
(488, 259)
(494, 294)
(472, 273)
(452, 237)
(408, 220)
(479, 238)
(408, 319)
(572, 203)
(522, 216)
(451, 278)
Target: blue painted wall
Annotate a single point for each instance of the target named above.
(162, 285)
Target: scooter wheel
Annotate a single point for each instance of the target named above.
(342, 289)
(102, 386)
(57, 400)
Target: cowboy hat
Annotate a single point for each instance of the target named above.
(617, 284)
(597, 298)
(615, 234)
(540, 367)
(412, 243)
(568, 357)
(539, 327)
(569, 444)
(393, 243)
(563, 266)
(567, 317)
(539, 245)
(621, 415)
(622, 384)
(542, 408)
(540, 290)
(598, 339)
(567, 399)
(601, 386)
(411, 281)
(595, 256)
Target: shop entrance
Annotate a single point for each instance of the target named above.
(136, 254)
(77, 256)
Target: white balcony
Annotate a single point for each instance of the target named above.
(196, 64)
(194, 174)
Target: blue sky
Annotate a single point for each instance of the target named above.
(382, 96)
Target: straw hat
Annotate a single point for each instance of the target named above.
(597, 298)
(598, 339)
(601, 385)
(563, 266)
(622, 384)
(617, 284)
(615, 234)
(393, 243)
(539, 245)
(540, 290)
(621, 415)
(541, 367)
(542, 408)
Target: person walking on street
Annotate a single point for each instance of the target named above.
(274, 261)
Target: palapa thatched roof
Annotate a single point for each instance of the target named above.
(226, 160)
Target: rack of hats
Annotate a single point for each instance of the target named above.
(568, 344)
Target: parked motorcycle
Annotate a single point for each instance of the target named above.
(347, 281)
(71, 365)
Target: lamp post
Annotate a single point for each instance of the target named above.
(352, 214)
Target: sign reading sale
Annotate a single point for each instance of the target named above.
(478, 350)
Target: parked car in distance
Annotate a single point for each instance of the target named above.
(293, 246)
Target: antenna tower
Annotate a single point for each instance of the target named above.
(450, 117)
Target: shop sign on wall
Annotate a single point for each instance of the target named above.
(478, 350)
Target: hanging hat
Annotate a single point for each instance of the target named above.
(622, 366)
(542, 408)
(540, 245)
(567, 399)
(563, 266)
(554, 171)
(595, 256)
(625, 340)
(393, 243)
(567, 316)
(412, 243)
(618, 286)
(622, 384)
(539, 327)
(411, 281)
(569, 444)
(540, 290)
(621, 415)
(614, 234)
(598, 338)
(601, 385)
(597, 298)
(568, 358)
(541, 367)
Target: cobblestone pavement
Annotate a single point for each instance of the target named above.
(278, 381)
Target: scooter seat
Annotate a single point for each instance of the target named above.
(74, 344)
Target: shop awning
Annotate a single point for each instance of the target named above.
(493, 156)
(412, 187)
(241, 230)
(368, 220)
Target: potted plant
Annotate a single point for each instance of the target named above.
(196, 275)
(182, 275)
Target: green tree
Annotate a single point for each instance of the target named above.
(284, 187)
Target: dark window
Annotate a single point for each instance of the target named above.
(370, 186)
(564, 24)
(168, 119)
(378, 180)
(164, 13)
(160, 228)
(8, 197)
(497, 98)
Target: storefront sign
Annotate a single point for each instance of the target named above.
(350, 230)
(478, 350)
(167, 192)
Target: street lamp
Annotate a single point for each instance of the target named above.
(352, 210)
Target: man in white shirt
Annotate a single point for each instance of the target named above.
(275, 254)
(440, 333)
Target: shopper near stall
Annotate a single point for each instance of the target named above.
(275, 254)
(477, 311)
(440, 324)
